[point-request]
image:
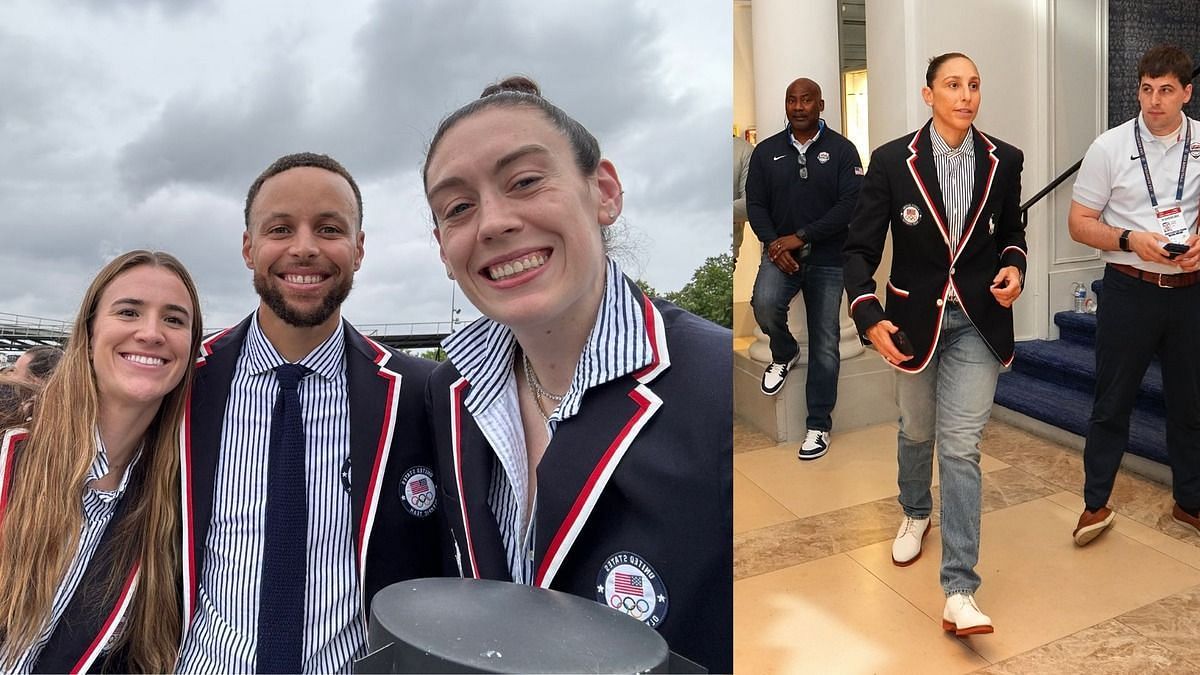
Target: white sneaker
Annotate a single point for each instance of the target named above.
(816, 444)
(962, 616)
(775, 374)
(907, 546)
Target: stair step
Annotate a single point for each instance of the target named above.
(1076, 327)
(1069, 409)
(1073, 365)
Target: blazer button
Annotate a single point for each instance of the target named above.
(951, 270)
(939, 302)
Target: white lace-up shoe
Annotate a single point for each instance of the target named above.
(775, 374)
(816, 444)
(907, 546)
(962, 616)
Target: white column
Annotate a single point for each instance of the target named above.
(791, 40)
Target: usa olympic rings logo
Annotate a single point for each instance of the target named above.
(418, 491)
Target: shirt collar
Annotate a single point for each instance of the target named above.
(805, 146)
(327, 359)
(618, 344)
(942, 148)
(1179, 128)
(100, 465)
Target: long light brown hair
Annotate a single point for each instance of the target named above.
(39, 534)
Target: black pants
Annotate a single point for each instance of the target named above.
(1137, 320)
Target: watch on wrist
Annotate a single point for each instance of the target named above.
(802, 235)
(1123, 242)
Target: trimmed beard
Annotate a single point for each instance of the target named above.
(294, 317)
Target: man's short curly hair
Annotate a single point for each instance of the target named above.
(297, 160)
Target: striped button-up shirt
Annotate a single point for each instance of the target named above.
(956, 176)
(485, 354)
(224, 634)
(98, 509)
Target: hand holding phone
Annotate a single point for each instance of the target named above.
(902, 344)
(1175, 249)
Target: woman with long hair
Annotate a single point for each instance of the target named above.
(89, 497)
(583, 430)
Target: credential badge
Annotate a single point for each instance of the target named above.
(823, 157)
(910, 214)
(418, 492)
(628, 584)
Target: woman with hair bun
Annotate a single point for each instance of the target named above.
(584, 429)
(89, 496)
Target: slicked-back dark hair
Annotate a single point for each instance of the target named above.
(937, 61)
(1162, 60)
(297, 160)
(517, 91)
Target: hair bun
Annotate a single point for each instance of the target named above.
(516, 83)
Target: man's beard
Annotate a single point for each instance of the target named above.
(329, 304)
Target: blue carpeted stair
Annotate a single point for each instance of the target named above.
(1054, 380)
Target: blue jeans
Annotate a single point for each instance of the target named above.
(949, 402)
(822, 287)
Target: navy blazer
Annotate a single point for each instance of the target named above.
(389, 435)
(901, 193)
(634, 502)
(96, 610)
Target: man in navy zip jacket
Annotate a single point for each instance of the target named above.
(800, 193)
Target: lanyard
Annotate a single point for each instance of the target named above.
(1187, 144)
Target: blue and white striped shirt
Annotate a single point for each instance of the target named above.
(956, 175)
(224, 634)
(484, 353)
(98, 509)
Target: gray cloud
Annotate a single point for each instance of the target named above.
(111, 150)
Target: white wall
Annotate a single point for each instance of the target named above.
(1009, 42)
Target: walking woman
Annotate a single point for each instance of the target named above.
(949, 195)
(583, 430)
(89, 499)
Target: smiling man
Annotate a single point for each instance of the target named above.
(801, 189)
(306, 480)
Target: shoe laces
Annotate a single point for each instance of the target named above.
(779, 368)
(812, 436)
(909, 524)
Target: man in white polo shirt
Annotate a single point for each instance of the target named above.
(1135, 199)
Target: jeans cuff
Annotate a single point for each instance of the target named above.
(968, 591)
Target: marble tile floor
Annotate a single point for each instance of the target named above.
(815, 590)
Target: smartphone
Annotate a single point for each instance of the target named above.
(901, 341)
(1176, 249)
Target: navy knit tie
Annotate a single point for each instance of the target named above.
(281, 599)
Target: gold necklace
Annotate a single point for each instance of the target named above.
(539, 392)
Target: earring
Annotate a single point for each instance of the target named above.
(449, 274)
(612, 215)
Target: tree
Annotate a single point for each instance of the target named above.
(710, 292)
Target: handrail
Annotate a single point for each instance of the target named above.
(1061, 177)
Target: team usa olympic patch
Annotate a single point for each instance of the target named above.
(418, 492)
(823, 157)
(630, 585)
(910, 214)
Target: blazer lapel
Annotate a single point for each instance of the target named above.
(481, 554)
(374, 390)
(586, 449)
(199, 450)
(986, 163)
(924, 175)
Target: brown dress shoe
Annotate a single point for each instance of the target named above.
(1093, 523)
(1186, 518)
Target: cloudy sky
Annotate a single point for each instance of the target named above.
(141, 123)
